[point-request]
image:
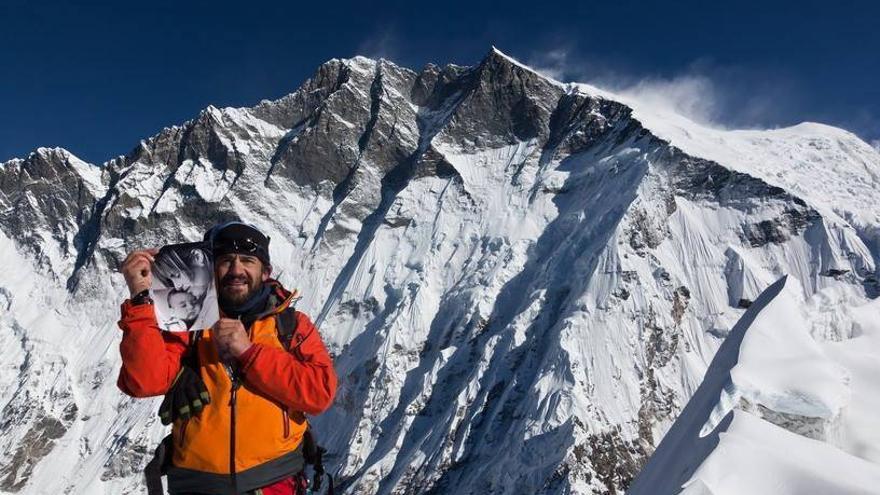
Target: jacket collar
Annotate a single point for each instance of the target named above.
(279, 299)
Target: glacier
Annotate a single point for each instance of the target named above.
(523, 282)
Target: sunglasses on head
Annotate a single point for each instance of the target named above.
(245, 246)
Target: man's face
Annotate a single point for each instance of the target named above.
(238, 277)
(183, 305)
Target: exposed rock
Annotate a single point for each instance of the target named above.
(36, 444)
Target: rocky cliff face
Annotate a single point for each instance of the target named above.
(522, 282)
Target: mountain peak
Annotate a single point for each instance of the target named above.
(56, 153)
(497, 58)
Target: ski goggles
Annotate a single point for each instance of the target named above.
(238, 237)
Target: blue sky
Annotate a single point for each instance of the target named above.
(96, 77)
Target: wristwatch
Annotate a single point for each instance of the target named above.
(142, 297)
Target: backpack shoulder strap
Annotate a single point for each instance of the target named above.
(285, 326)
(313, 454)
(191, 359)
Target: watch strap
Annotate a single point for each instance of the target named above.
(142, 297)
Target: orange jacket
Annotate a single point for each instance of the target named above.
(266, 413)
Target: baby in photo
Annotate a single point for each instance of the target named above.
(183, 309)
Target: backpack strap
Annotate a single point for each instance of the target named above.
(158, 466)
(285, 326)
(192, 359)
(313, 454)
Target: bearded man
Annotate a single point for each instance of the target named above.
(238, 392)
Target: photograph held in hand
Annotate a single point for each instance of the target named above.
(182, 287)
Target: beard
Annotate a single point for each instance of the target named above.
(235, 290)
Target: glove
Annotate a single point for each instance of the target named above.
(187, 396)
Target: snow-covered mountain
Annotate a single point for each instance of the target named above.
(522, 282)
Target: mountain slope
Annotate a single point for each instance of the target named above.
(778, 411)
(522, 281)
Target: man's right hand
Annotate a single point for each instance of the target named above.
(137, 270)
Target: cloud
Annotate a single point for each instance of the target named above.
(862, 122)
(553, 64)
(692, 95)
(706, 92)
(382, 44)
(563, 62)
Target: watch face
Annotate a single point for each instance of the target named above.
(142, 298)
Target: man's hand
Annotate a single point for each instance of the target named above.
(231, 338)
(137, 270)
(186, 398)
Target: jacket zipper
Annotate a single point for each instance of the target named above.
(286, 422)
(232, 399)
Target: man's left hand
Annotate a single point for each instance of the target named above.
(231, 338)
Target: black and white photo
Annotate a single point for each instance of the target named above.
(183, 287)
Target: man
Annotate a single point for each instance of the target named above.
(245, 434)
